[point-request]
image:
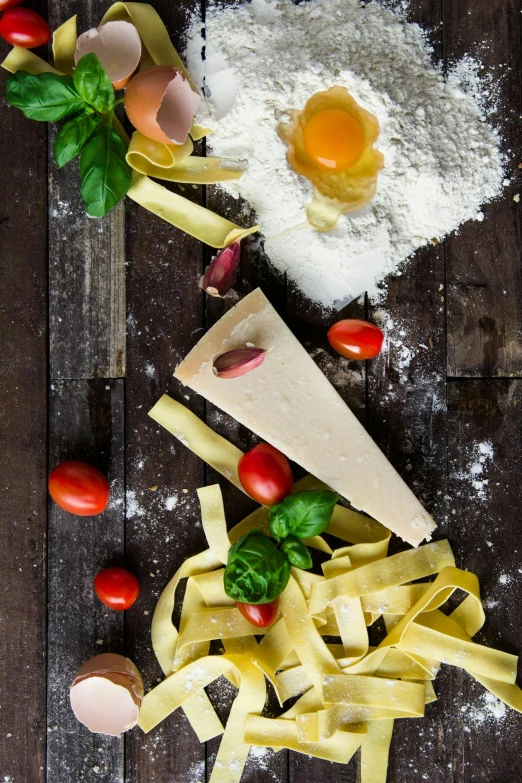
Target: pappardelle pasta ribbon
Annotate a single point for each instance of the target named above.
(146, 157)
(349, 694)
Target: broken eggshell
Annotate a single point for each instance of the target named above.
(117, 46)
(161, 104)
(106, 694)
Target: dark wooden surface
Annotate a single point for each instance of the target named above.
(448, 382)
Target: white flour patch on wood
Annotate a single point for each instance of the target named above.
(196, 773)
(475, 474)
(442, 158)
(489, 712)
(171, 502)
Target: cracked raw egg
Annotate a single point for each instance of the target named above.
(330, 142)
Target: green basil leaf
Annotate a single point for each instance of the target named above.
(279, 521)
(73, 137)
(305, 514)
(257, 571)
(47, 97)
(106, 175)
(296, 552)
(93, 84)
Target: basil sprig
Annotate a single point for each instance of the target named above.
(87, 99)
(258, 567)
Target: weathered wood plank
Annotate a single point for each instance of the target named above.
(23, 452)
(484, 273)
(163, 525)
(86, 422)
(484, 458)
(86, 259)
(407, 418)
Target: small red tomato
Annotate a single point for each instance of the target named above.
(259, 615)
(23, 27)
(5, 4)
(266, 474)
(356, 339)
(79, 488)
(117, 588)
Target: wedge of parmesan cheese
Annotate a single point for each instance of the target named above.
(288, 402)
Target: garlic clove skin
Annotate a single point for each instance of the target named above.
(222, 271)
(239, 362)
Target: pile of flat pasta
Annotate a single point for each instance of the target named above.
(349, 693)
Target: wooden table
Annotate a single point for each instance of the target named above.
(94, 317)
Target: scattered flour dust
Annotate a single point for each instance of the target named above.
(481, 455)
(442, 158)
(490, 711)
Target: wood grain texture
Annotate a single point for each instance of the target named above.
(86, 423)
(165, 319)
(484, 259)
(23, 452)
(485, 423)
(86, 259)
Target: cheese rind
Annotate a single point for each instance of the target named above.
(289, 403)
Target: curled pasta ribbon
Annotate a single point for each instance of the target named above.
(175, 162)
(147, 157)
(349, 694)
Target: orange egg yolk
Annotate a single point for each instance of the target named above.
(334, 139)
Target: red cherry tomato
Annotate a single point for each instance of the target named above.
(5, 4)
(79, 488)
(23, 27)
(117, 588)
(356, 339)
(259, 615)
(266, 474)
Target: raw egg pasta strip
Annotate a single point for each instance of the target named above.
(216, 451)
(64, 45)
(175, 163)
(375, 751)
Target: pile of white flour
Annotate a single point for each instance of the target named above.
(442, 159)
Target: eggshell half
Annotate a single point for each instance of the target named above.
(106, 694)
(117, 46)
(104, 706)
(161, 104)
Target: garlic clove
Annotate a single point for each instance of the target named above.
(221, 274)
(241, 361)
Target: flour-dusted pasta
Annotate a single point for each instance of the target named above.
(348, 693)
